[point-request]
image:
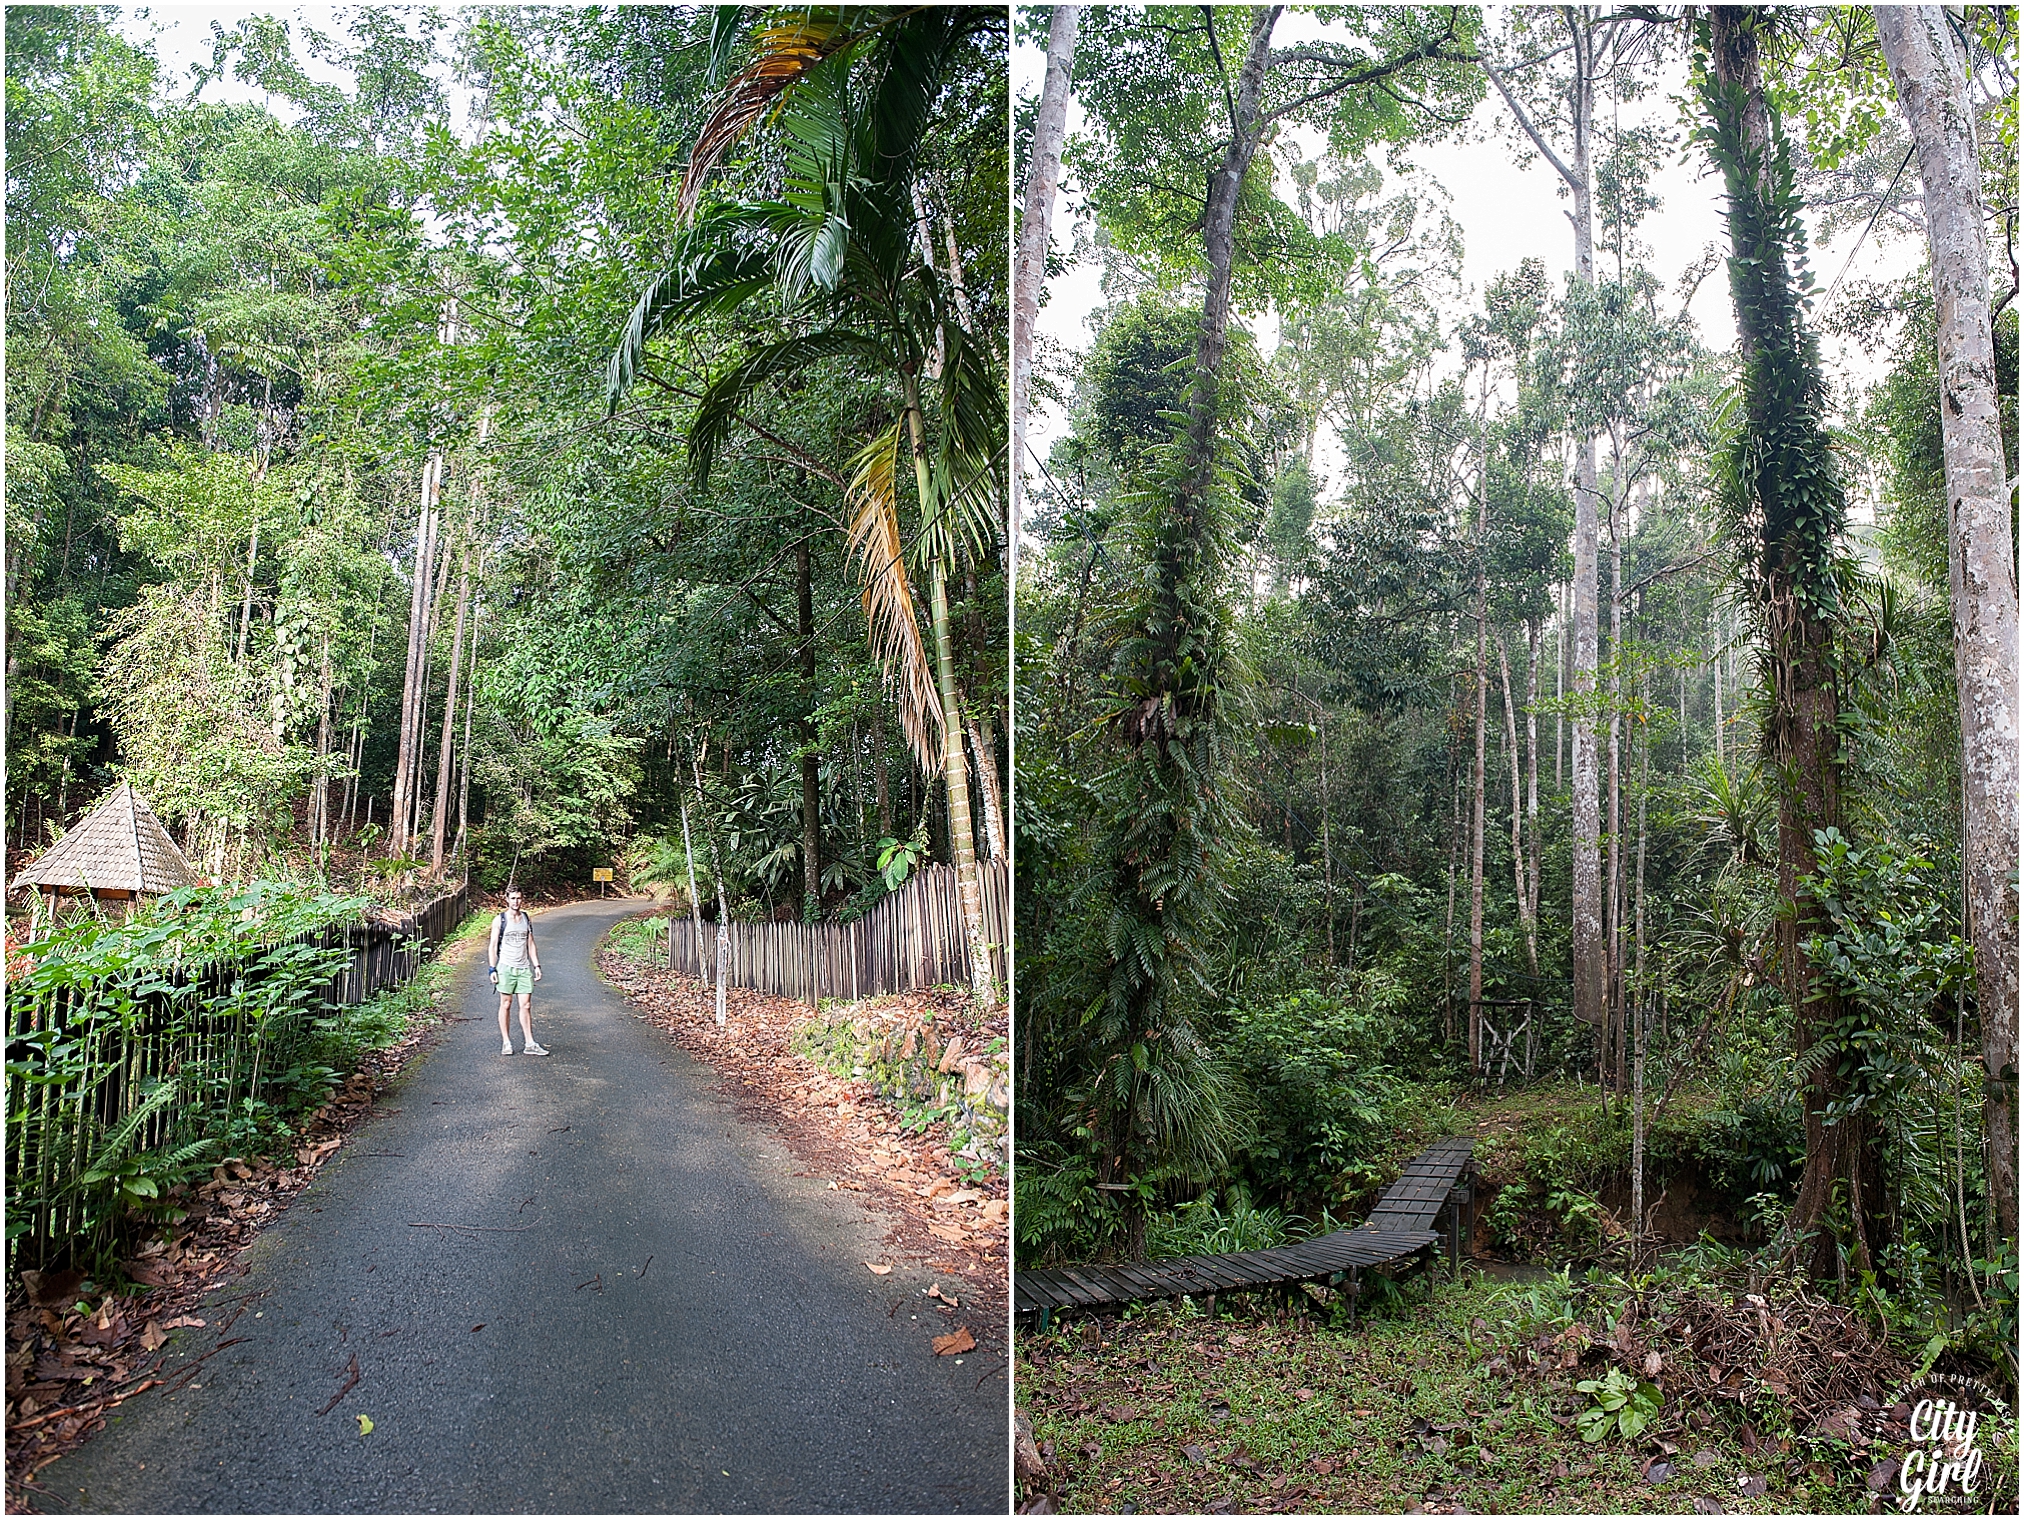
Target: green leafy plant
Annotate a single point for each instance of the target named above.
(897, 858)
(1620, 1400)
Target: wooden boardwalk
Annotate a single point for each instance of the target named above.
(1415, 1201)
(1400, 1227)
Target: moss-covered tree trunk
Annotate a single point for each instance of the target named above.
(1786, 485)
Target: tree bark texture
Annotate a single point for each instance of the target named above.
(440, 821)
(1613, 925)
(1050, 128)
(1482, 697)
(1525, 925)
(418, 593)
(462, 849)
(1930, 73)
(979, 729)
(1532, 635)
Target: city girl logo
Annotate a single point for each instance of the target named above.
(1949, 1435)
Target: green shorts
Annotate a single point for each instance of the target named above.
(514, 979)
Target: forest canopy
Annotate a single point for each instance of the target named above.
(328, 529)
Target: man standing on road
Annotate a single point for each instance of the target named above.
(516, 967)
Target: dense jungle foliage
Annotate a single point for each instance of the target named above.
(332, 527)
(1383, 615)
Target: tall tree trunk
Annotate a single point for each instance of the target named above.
(321, 794)
(1613, 910)
(464, 757)
(430, 622)
(1590, 947)
(955, 769)
(723, 935)
(1050, 128)
(1795, 589)
(695, 898)
(1532, 636)
(1328, 854)
(1930, 73)
(1525, 924)
(440, 819)
(979, 728)
(1172, 730)
(1476, 799)
(1560, 651)
(1454, 877)
(1637, 1000)
(811, 767)
(418, 596)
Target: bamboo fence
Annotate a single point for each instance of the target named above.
(913, 938)
(83, 1061)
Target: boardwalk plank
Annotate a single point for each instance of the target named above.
(1397, 1230)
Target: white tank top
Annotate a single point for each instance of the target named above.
(513, 938)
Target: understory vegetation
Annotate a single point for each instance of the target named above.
(1480, 1396)
(143, 1054)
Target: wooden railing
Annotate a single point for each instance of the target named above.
(913, 938)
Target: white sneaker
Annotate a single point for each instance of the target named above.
(505, 1047)
(533, 1050)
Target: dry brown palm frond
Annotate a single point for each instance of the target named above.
(786, 52)
(874, 541)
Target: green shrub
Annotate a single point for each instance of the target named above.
(1326, 1097)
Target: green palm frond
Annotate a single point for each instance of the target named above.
(718, 409)
(717, 270)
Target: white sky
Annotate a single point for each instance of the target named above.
(1506, 205)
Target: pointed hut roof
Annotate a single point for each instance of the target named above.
(119, 846)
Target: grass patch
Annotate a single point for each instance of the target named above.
(1422, 1405)
(391, 1014)
(638, 937)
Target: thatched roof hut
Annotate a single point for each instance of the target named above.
(119, 849)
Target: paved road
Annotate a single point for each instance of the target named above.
(730, 1353)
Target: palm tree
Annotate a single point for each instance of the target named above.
(850, 95)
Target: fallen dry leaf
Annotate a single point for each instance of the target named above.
(878, 1267)
(153, 1336)
(960, 1340)
(184, 1322)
